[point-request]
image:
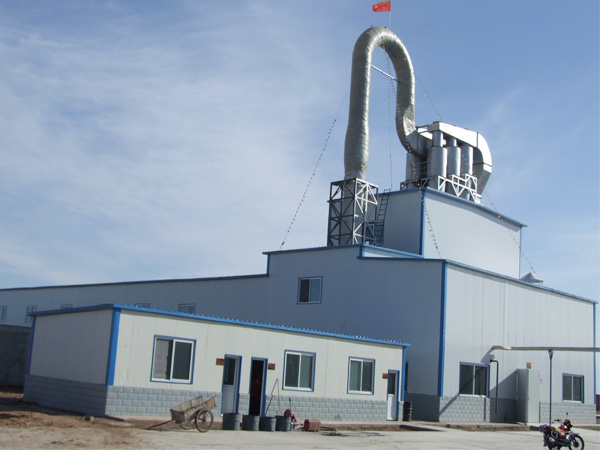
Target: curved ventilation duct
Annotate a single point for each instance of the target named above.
(440, 155)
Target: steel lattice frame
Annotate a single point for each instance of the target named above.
(352, 212)
(464, 186)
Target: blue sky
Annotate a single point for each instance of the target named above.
(153, 140)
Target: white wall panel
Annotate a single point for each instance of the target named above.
(485, 310)
(215, 340)
(470, 235)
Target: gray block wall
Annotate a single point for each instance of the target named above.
(355, 410)
(577, 413)
(432, 408)
(157, 402)
(133, 401)
(85, 398)
(99, 400)
(465, 409)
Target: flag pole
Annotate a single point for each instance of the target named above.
(390, 18)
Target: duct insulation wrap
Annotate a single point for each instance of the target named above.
(413, 166)
(356, 150)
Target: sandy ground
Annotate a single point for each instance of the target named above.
(25, 426)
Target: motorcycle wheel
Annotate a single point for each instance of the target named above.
(577, 443)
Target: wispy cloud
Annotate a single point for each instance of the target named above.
(178, 140)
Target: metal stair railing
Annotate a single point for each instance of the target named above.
(381, 217)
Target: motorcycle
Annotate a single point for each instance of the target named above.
(561, 436)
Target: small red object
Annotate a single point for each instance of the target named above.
(382, 6)
(312, 425)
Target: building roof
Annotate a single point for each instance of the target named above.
(117, 306)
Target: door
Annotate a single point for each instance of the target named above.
(231, 384)
(528, 395)
(258, 376)
(392, 395)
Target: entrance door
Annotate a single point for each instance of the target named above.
(231, 384)
(392, 395)
(528, 395)
(257, 386)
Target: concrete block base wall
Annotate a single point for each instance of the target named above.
(577, 413)
(465, 409)
(462, 409)
(85, 398)
(98, 400)
(132, 401)
(354, 410)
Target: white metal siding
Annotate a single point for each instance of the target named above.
(215, 340)
(209, 295)
(403, 224)
(465, 234)
(483, 310)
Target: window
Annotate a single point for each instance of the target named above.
(143, 305)
(360, 376)
(66, 306)
(188, 308)
(173, 360)
(572, 388)
(309, 290)
(299, 371)
(30, 309)
(473, 379)
(2, 313)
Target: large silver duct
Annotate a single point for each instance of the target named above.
(356, 153)
(440, 155)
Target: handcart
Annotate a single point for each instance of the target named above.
(194, 412)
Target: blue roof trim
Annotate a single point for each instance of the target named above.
(30, 354)
(112, 353)
(122, 283)
(442, 341)
(221, 320)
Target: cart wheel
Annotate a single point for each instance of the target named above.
(189, 424)
(204, 420)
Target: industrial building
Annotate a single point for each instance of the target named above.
(485, 344)
(123, 360)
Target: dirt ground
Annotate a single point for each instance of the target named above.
(60, 429)
(27, 426)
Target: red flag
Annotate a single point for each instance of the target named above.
(383, 6)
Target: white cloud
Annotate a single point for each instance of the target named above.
(178, 140)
